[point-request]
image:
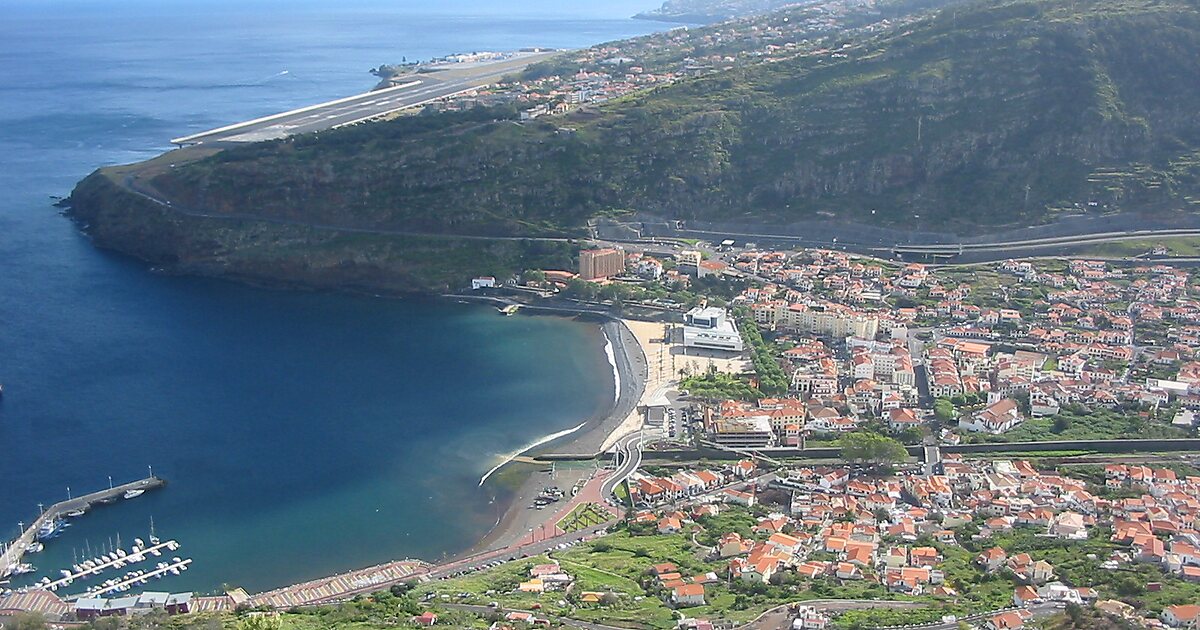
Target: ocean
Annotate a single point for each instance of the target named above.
(301, 433)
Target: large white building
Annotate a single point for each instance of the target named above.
(829, 319)
(710, 328)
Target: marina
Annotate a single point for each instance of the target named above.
(174, 568)
(113, 560)
(50, 522)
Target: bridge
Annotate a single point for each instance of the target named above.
(416, 90)
(13, 554)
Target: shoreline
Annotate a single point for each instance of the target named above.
(627, 352)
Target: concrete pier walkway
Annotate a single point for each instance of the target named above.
(15, 551)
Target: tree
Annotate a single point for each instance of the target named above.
(865, 447)
(943, 409)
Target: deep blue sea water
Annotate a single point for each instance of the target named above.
(301, 433)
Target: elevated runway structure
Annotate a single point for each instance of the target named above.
(415, 90)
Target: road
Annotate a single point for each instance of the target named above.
(961, 253)
(933, 460)
(629, 457)
(416, 90)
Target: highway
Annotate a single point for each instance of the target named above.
(628, 457)
(414, 91)
(948, 253)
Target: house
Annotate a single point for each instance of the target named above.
(996, 418)
(669, 525)
(1009, 620)
(732, 544)
(924, 557)
(1069, 525)
(688, 595)
(485, 282)
(590, 597)
(902, 419)
(427, 618)
(1182, 616)
(542, 570)
(809, 618)
(847, 571)
(991, 559)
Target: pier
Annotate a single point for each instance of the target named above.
(16, 551)
(125, 584)
(117, 563)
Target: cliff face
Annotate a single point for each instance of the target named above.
(278, 254)
(986, 115)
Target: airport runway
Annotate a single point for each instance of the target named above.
(413, 91)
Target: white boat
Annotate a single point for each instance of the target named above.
(76, 513)
(133, 494)
(137, 542)
(121, 553)
(35, 548)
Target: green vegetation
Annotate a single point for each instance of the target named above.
(1081, 424)
(1028, 107)
(864, 447)
(714, 385)
(771, 379)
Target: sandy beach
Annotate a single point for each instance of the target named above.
(659, 375)
(643, 363)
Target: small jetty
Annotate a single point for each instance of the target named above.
(112, 561)
(123, 585)
(11, 557)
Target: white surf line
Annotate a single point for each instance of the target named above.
(612, 360)
(548, 438)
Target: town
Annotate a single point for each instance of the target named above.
(813, 33)
(843, 441)
(851, 364)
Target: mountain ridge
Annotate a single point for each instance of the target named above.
(991, 114)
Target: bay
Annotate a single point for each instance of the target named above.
(301, 433)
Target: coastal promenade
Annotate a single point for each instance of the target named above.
(14, 552)
(416, 90)
(341, 586)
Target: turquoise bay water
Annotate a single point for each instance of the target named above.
(301, 433)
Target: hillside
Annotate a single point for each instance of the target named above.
(705, 11)
(984, 115)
